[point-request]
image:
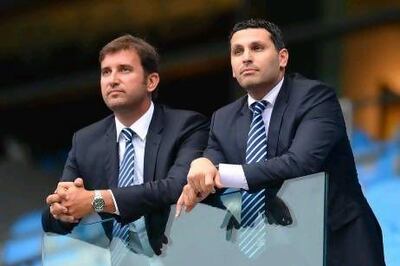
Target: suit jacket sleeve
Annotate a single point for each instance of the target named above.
(213, 151)
(136, 201)
(320, 127)
(71, 172)
(215, 154)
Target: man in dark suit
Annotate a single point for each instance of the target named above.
(133, 164)
(305, 134)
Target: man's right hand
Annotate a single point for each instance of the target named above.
(55, 200)
(202, 176)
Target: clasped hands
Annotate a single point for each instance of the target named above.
(203, 178)
(70, 201)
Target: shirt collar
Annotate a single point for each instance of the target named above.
(270, 97)
(140, 127)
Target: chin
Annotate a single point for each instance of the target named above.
(249, 86)
(116, 105)
(248, 83)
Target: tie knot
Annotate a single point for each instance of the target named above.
(258, 107)
(127, 133)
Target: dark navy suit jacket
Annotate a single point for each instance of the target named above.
(306, 135)
(174, 139)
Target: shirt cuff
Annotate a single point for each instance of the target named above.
(115, 203)
(232, 175)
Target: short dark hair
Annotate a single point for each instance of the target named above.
(276, 34)
(148, 55)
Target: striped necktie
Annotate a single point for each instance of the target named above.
(125, 179)
(253, 229)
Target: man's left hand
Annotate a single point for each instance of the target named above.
(77, 199)
(188, 200)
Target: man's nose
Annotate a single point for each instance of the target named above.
(247, 56)
(114, 79)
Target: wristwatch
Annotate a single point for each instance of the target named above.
(98, 202)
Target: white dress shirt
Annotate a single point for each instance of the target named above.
(232, 175)
(140, 127)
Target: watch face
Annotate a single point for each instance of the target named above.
(98, 204)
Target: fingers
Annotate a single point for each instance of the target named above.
(194, 180)
(197, 174)
(64, 185)
(179, 206)
(57, 209)
(190, 205)
(55, 198)
(187, 201)
(63, 194)
(209, 183)
(52, 198)
(202, 183)
(67, 218)
(190, 198)
(201, 175)
(59, 203)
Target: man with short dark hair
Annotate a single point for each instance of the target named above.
(132, 164)
(286, 126)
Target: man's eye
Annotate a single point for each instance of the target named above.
(258, 48)
(125, 69)
(237, 51)
(105, 72)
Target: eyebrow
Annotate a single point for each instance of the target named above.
(118, 66)
(125, 65)
(236, 46)
(251, 43)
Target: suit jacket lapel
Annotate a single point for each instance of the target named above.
(242, 127)
(276, 119)
(153, 140)
(111, 154)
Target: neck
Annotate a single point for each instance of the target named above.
(129, 116)
(259, 92)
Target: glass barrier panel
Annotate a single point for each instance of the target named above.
(291, 233)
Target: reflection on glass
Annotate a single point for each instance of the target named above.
(292, 234)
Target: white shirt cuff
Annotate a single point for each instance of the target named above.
(115, 203)
(232, 175)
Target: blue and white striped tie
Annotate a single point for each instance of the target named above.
(125, 179)
(253, 230)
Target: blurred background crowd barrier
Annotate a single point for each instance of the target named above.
(49, 86)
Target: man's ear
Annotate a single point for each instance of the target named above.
(283, 57)
(152, 81)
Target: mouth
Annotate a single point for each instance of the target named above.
(111, 92)
(248, 71)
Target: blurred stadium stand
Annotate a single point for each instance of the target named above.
(49, 55)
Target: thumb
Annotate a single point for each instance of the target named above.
(217, 181)
(78, 182)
